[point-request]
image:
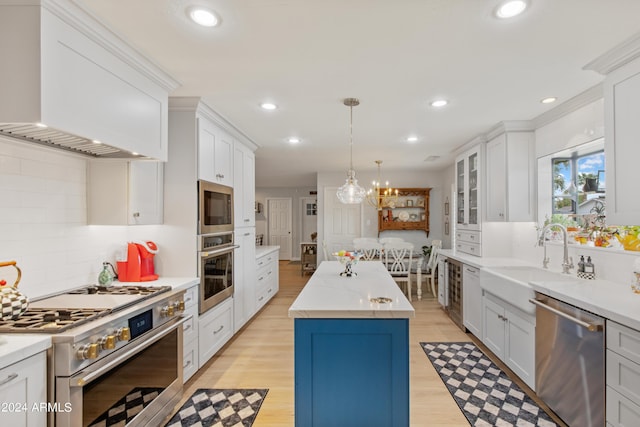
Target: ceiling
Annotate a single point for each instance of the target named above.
(306, 56)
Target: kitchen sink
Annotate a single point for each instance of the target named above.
(512, 283)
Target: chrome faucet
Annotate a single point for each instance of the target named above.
(567, 262)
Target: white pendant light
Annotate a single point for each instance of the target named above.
(351, 192)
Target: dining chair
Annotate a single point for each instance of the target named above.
(398, 260)
(370, 250)
(430, 269)
(390, 239)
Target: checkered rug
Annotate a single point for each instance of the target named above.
(220, 408)
(486, 396)
(126, 408)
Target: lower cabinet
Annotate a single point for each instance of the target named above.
(511, 335)
(190, 334)
(23, 385)
(623, 375)
(244, 282)
(215, 329)
(472, 300)
(267, 282)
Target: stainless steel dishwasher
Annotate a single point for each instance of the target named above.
(570, 363)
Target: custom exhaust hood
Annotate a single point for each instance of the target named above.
(73, 84)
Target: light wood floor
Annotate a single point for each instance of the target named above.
(261, 356)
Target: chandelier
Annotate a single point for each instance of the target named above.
(351, 192)
(381, 198)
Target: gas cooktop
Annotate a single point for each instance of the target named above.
(60, 312)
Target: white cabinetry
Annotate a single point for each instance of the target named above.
(86, 82)
(190, 334)
(215, 153)
(442, 286)
(215, 329)
(510, 177)
(24, 384)
(472, 296)
(622, 127)
(510, 335)
(468, 169)
(244, 184)
(623, 376)
(244, 269)
(267, 282)
(125, 192)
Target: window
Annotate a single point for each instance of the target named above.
(312, 209)
(578, 183)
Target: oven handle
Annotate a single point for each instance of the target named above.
(85, 378)
(207, 254)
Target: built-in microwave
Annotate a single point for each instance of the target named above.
(215, 208)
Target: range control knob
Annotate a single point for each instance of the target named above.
(88, 351)
(108, 342)
(180, 305)
(167, 310)
(123, 334)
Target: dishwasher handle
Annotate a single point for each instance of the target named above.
(593, 327)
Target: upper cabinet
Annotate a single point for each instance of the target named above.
(468, 189)
(244, 185)
(510, 178)
(69, 72)
(215, 153)
(621, 65)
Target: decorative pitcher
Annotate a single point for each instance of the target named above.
(12, 301)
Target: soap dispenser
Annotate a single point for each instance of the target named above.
(581, 264)
(105, 278)
(589, 267)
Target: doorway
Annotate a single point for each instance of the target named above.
(279, 225)
(308, 218)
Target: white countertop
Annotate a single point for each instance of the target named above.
(264, 250)
(611, 300)
(17, 347)
(328, 295)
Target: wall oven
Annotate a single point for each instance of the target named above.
(215, 208)
(215, 265)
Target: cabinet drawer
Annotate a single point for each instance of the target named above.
(624, 341)
(621, 412)
(468, 236)
(215, 328)
(469, 248)
(624, 376)
(189, 361)
(191, 298)
(24, 382)
(266, 260)
(266, 276)
(190, 328)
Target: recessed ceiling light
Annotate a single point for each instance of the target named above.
(412, 139)
(549, 100)
(439, 103)
(95, 141)
(268, 106)
(511, 8)
(203, 16)
(41, 125)
(134, 153)
(294, 140)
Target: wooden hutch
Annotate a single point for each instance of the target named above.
(409, 212)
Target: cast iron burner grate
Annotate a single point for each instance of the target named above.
(120, 290)
(51, 320)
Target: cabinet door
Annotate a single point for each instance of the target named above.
(24, 384)
(472, 295)
(520, 347)
(244, 297)
(244, 186)
(475, 202)
(223, 157)
(461, 217)
(146, 189)
(622, 127)
(493, 321)
(206, 150)
(496, 179)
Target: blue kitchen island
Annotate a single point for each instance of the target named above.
(351, 349)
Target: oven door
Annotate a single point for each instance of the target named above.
(216, 277)
(141, 382)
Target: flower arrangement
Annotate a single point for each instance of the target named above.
(348, 259)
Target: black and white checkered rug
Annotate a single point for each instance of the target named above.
(219, 408)
(484, 393)
(126, 408)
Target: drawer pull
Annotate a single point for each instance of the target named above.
(269, 291)
(246, 234)
(260, 299)
(186, 365)
(188, 300)
(219, 329)
(9, 379)
(187, 327)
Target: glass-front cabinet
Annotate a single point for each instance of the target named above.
(468, 199)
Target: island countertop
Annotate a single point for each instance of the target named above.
(327, 295)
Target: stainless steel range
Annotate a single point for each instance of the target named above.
(116, 356)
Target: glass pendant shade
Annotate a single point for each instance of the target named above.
(351, 192)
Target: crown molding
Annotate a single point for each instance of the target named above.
(509, 126)
(615, 58)
(583, 99)
(87, 24)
